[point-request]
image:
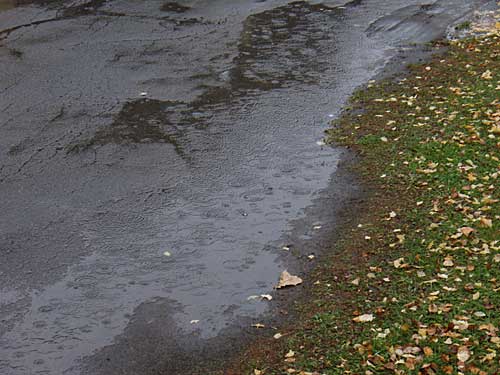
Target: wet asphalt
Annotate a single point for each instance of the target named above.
(156, 157)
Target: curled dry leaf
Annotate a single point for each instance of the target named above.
(363, 318)
(288, 280)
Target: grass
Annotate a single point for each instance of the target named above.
(414, 287)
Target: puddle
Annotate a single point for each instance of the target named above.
(278, 48)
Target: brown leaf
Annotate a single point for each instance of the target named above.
(466, 231)
(288, 280)
(485, 222)
(433, 308)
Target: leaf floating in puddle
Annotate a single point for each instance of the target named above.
(258, 325)
(321, 143)
(167, 253)
(194, 321)
(288, 280)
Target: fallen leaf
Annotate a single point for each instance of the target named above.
(466, 231)
(486, 222)
(290, 354)
(398, 263)
(448, 262)
(463, 354)
(277, 336)
(288, 280)
(487, 75)
(364, 318)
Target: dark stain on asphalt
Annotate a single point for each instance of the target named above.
(174, 7)
(140, 121)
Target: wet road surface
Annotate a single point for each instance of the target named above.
(134, 128)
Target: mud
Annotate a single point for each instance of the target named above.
(129, 129)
